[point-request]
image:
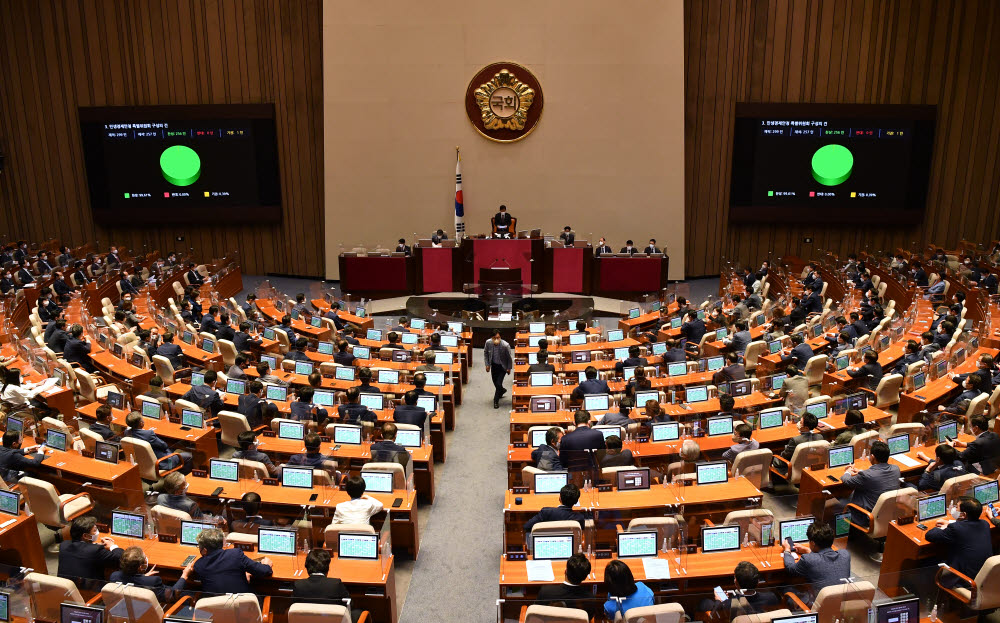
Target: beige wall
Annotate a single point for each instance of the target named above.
(607, 156)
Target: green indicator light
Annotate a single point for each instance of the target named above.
(180, 165)
(126, 195)
(770, 193)
(832, 165)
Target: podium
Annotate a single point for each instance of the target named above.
(500, 276)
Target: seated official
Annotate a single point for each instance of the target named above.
(208, 322)
(194, 277)
(102, 425)
(360, 508)
(174, 496)
(911, 355)
(602, 248)
(628, 248)
(252, 519)
(393, 343)
(693, 329)
(304, 410)
(265, 376)
(286, 326)
(742, 442)
(674, 352)
(387, 446)
(960, 404)
(135, 570)
(243, 341)
(353, 412)
(740, 310)
(982, 453)
(624, 592)
(870, 373)
(135, 423)
(342, 356)
(807, 433)
(318, 588)
(571, 593)
(795, 391)
(298, 350)
(746, 599)
(655, 413)
(569, 495)
(987, 372)
(14, 459)
(402, 247)
(502, 222)
(800, 353)
(226, 570)
(968, 542)
(56, 335)
(251, 404)
(615, 455)
(577, 448)
(621, 417)
(592, 385)
(818, 562)
(248, 451)
(312, 456)
(567, 236)
(854, 420)
(546, 456)
(946, 465)
(409, 412)
(366, 387)
(733, 371)
(155, 389)
(651, 247)
(171, 351)
(205, 395)
(86, 555)
(77, 349)
(225, 331)
(543, 364)
(235, 371)
(870, 483)
(633, 360)
(740, 339)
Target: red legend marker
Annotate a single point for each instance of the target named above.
(812, 194)
(166, 195)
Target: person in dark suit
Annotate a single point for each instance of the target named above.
(911, 355)
(298, 350)
(860, 328)
(819, 563)
(989, 281)
(304, 410)
(870, 483)
(800, 353)
(919, 275)
(615, 456)
(622, 417)
(571, 593)
(318, 588)
(746, 599)
(352, 411)
(251, 404)
(601, 248)
(546, 456)
(194, 277)
(733, 371)
(502, 221)
(577, 448)
(135, 422)
(248, 451)
(569, 495)
(112, 258)
(171, 351)
(126, 284)
(58, 336)
(740, 339)
(77, 349)
(693, 328)
(226, 570)
(567, 236)
(387, 446)
(205, 395)
(13, 458)
(225, 331)
(342, 356)
(25, 276)
(401, 247)
(312, 456)
(499, 363)
(102, 425)
(633, 360)
(592, 385)
(85, 556)
(945, 465)
(64, 257)
(674, 352)
(7, 283)
(208, 322)
(967, 540)
(628, 248)
(651, 247)
(543, 364)
(960, 403)
(135, 570)
(870, 373)
(366, 387)
(980, 455)
(807, 425)
(409, 412)
(243, 341)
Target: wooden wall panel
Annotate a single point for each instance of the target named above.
(57, 55)
(848, 51)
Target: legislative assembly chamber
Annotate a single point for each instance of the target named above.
(561, 311)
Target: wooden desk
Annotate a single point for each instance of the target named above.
(268, 309)
(20, 544)
(58, 398)
(936, 391)
(117, 485)
(841, 381)
(135, 379)
(364, 323)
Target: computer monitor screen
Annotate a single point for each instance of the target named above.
(72, 613)
(637, 544)
(777, 381)
(377, 482)
(409, 339)
(712, 473)
(986, 493)
(932, 507)
(843, 361)
(9, 502)
(361, 352)
(434, 379)
(542, 404)
(297, 477)
(616, 335)
(901, 611)
(713, 364)
(270, 360)
(374, 334)
(771, 418)
(316, 321)
(550, 482)
(739, 388)
(633, 479)
(576, 339)
(191, 529)
(363, 546)
(276, 541)
(219, 469)
(899, 444)
(325, 348)
(129, 525)
(720, 539)
(696, 394)
(634, 313)
(801, 618)
(418, 323)
(236, 386)
(4, 607)
(115, 400)
(187, 337)
(840, 456)
(621, 353)
(819, 409)
(919, 380)
(290, 430)
(774, 346)
(677, 368)
(268, 333)
(541, 379)
(192, 418)
(304, 368)
(277, 392)
(795, 528)
(641, 398)
(857, 401)
(360, 312)
(597, 402)
(449, 341)
(947, 431)
(455, 327)
(208, 345)
(628, 373)
(197, 379)
(534, 340)
(444, 358)
(14, 424)
(343, 433)
(664, 431)
(344, 373)
(720, 425)
(408, 438)
(429, 403)
(538, 437)
(324, 397)
(841, 525)
(106, 451)
(658, 348)
(150, 409)
(547, 546)
(817, 330)
(389, 377)
(55, 439)
(374, 402)
(942, 368)
(609, 431)
(675, 323)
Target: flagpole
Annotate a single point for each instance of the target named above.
(459, 200)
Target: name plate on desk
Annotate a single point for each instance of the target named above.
(520, 444)
(199, 473)
(517, 556)
(87, 454)
(246, 547)
(520, 490)
(324, 439)
(166, 538)
(605, 488)
(271, 482)
(602, 554)
(268, 433)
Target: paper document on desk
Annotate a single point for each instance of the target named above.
(656, 568)
(539, 571)
(905, 460)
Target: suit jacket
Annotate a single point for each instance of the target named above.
(152, 582)
(25, 276)
(404, 249)
(127, 287)
(318, 587)
(251, 407)
(600, 249)
(6, 285)
(631, 362)
(920, 277)
(869, 484)
(206, 398)
(796, 440)
(502, 219)
(568, 238)
(570, 595)
(195, 277)
(546, 457)
(629, 250)
(173, 353)
(800, 355)
(104, 431)
(740, 341)
(984, 450)
(209, 324)
(651, 249)
(821, 569)
(57, 340)
(13, 461)
(224, 571)
(226, 332)
(591, 386)
(82, 560)
(693, 331)
(575, 450)
(674, 355)
(344, 358)
(76, 351)
(61, 287)
(244, 342)
(907, 359)
(410, 414)
(933, 480)
(160, 447)
(870, 372)
(556, 513)
(355, 413)
(504, 354)
(968, 544)
(734, 372)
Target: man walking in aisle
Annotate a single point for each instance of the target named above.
(499, 363)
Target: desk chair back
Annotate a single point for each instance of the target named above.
(844, 602)
(983, 593)
(88, 387)
(815, 368)
(763, 617)
(319, 613)
(660, 613)
(228, 350)
(238, 608)
(283, 344)
(248, 468)
(232, 425)
(750, 521)
(755, 466)
(144, 457)
(49, 507)
(399, 473)
(163, 369)
(47, 592)
(887, 391)
(551, 614)
(89, 439)
(890, 506)
(977, 406)
(753, 352)
(993, 403)
(914, 429)
(168, 520)
(959, 486)
(557, 527)
(666, 527)
(806, 454)
(863, 443)
(131, 603)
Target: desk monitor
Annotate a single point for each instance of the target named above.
(277, 392)
(857, 400)
(548, 546)
(418, 324)
(777, 381)
(634, 313)
(388, 377)
(987, 493)
(919, 380)
(774, 346)
(192, 418)
(374, 402)
(532, 359)
(941, 368)
(4, 607)
(664, 431)
(72, 613)
(316, 321)
(959, 356)
(297, 477)
(304, 368)
(290, 430)
(533, 340)
(817, 330)
(801, 618)
(537, 437)
(15, 424)
(576, 339)
(771, 418)
(550, 482)
(444, 357)
(842, 362)
(842, 525)
(656, 306)
(344, 373)
(449, 341)
(9, 502)
(374, 335)
(377, 482)
(819, 409)
(295, 313)
(151, 409)
(702, 314)
(677, 368)
(270, 360)
(106, 451)
(722, 425)
(767, 533)
(743, 387)
(130, 525)
(597, 402)
(628, 373)
(191, 529)
(698, 393)
(714, 364)
(542, 404)
(795, 528)
(361, 352)
(637, 544)
(621, 353)
(219, 469)
(644, 396)
(541, 379)
(455, 327)
(712, 472)
(269, 333)
(722, 388)
(324, 397)
(946, 431)
(409, 339)
(346, 433)
(840, 456)
(429, 403)
(616, 335)
(658, 348)
(197, 379)
(236, 386)
(55, 439)
(609, 430)
(276, 540)
(898, 611)
(434, 379)
(899, 444)
(883, 342)
(208, 345)
(325, 348)
(720, 539)
(409, 438)
(675, 323)
(115, 400)
(633, 479)
(360, 312)
(932, 507)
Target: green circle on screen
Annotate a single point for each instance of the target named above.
(832, 165)
(180, 165)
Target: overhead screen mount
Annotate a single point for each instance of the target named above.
(155, 165)
(851, 164)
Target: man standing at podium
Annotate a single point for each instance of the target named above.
(502, 221)
(499, 363)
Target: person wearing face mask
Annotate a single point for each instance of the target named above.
(135, 570)
(24, 275)
(628, 248)
(967, 540)
(113, 260)
(79, 275)
(7, 283)
(601, 248)
(96, 267)
(85, 556)
(546, 456)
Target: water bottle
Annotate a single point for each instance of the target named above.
(256, 476)
(933, 615)
(665, 549)
(746, 539)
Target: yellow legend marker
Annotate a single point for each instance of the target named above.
(853, 195)
(206, 193)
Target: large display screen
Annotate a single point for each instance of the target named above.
(209, 164)
(831, 163)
